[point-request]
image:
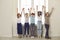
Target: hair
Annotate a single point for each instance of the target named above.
(33, 14)
(46, 13)
(26, 13)
(18, 14)
(39, 13)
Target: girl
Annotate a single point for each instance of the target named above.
(26, 25)
(47, 21)
(32, 25)
(19, 25)
(39, 24)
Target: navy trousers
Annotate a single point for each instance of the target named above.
(19, 28)
(26, 28)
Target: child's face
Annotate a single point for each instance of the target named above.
(19, 15)
(26, 14)
(47, 14)
(39, 14)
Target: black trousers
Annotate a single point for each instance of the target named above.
(26, 28)
(47, 30)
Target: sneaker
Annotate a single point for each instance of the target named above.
(32, 36)
(48, 37)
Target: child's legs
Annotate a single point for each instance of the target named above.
(39, 32)
(47, 30)
(19, 28)
(27, 28)
(31, 29)
(39, 27)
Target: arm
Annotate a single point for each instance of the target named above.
(17, 10)
(51, 11)
(44, 9)
(21, 13)
(30, 11)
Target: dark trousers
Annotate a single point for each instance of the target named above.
(19, 28)
(47, 30)
(33, 30)
(26, 28)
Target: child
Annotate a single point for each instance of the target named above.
(19, 25)
(32, 25)
(26, 25)
(39, 24)
(47, 22)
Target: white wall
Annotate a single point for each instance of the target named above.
(14, 23)
(55, 21)
(6, 18)
(55, 17)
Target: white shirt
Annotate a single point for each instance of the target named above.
(26, 20)
(19, 20)
(39, 18)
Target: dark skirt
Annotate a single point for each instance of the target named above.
(19, 28)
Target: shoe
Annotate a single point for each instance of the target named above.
(48, 37)
(32, 36)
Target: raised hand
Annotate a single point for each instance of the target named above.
(43, 7)
(23, 9)
(52, 8)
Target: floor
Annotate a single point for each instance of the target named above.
(15, 38)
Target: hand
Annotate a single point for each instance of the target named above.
(52, 8)
(43, 7)
(23, 9)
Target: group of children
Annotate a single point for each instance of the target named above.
(31, 29)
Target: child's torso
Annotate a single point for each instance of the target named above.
(18, 20)
(32, 19)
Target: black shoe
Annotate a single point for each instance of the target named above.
(48, 37)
